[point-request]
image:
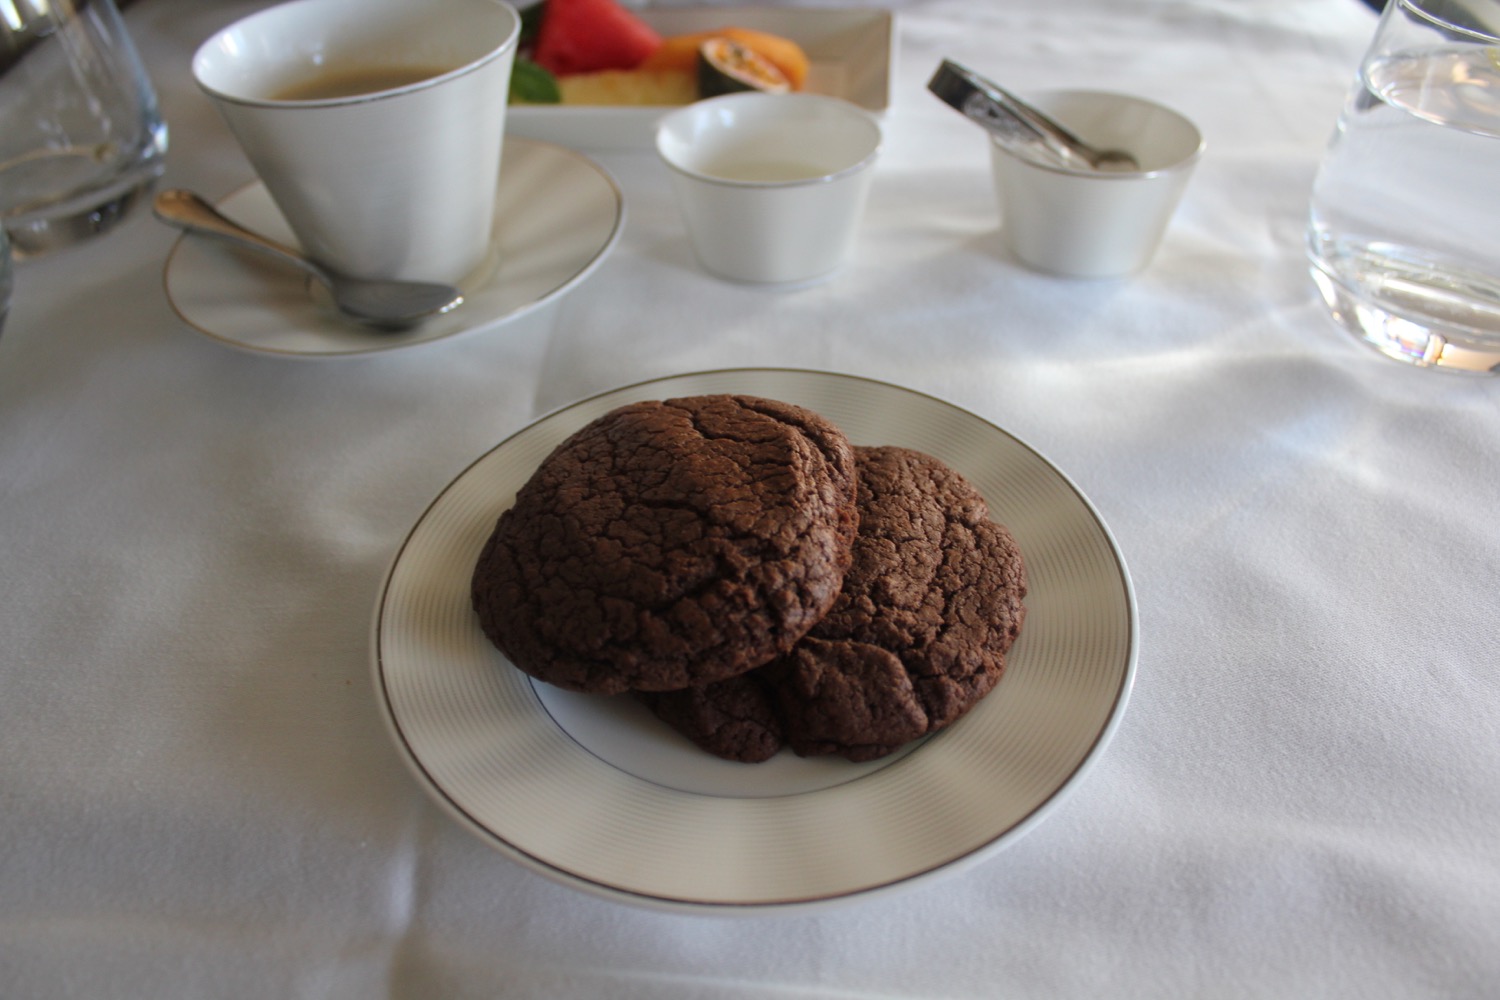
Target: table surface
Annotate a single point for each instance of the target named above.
(198, 796)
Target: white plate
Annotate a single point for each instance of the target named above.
(597, 794)
(851, 52)
(557, 216)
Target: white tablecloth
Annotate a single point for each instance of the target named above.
(197, 794)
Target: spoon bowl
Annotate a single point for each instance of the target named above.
(385, 304)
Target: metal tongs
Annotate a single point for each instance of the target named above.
(1019, 126)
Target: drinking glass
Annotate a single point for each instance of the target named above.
(1403, 236)
(80, 135)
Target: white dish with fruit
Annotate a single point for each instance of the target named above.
(596, 75)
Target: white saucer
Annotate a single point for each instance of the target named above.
(557, 215)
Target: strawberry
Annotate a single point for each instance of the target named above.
(584, 36)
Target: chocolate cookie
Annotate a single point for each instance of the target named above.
(929, 608)
(735, 718)
(671, 543)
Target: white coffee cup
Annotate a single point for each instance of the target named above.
(1096, 224)
(398, 178)
(771, 186)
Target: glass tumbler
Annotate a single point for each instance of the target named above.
(1404, 232)
(81, 139)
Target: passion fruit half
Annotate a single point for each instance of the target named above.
(727, 67)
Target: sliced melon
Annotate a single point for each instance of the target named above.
(628, 87)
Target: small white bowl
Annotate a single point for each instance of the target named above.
(771, 186)
(1097, 224)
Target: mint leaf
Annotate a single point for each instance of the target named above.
(531, 84)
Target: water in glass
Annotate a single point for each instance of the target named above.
(1403, 237)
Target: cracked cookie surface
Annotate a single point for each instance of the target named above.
(671, 543)
(918, 635)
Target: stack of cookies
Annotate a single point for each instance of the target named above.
(753, 577)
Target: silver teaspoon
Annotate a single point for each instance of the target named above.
(388, 304)
(1017, 124)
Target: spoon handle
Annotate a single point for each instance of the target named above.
(191, 213)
